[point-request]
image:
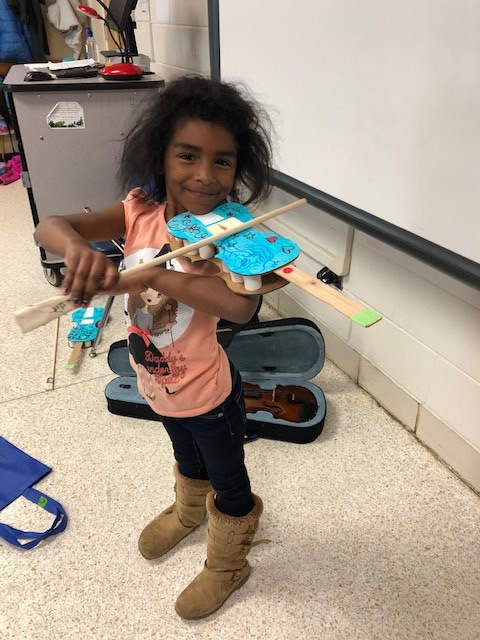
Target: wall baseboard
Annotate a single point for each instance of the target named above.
(459, 455)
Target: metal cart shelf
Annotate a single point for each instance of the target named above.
(68, 168)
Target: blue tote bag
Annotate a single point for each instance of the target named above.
(18, 472)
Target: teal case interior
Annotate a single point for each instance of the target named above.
(281, 352)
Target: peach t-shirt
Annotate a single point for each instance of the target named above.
(181, 369)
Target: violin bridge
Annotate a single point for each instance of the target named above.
(224, 225)
(208, 251)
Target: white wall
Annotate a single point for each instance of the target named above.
(422, 361)
(179, 35)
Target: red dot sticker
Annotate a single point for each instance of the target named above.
(288, 270)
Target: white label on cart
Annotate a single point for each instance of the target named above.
(66, 115)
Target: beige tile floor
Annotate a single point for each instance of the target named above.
(371, 536)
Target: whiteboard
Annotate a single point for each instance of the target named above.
(376, 103)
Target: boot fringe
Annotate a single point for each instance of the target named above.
(191, 483)
(242, 522)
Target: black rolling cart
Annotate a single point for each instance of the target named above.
(70, 133)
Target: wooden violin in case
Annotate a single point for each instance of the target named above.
(277, 359)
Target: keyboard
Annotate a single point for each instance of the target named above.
(78, 72)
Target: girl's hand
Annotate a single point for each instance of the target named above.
(88, 272)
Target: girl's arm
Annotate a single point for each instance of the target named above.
(88, 271)
(205, 293)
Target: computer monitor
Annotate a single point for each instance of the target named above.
(121, 10)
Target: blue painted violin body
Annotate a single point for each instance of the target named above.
(85, 327)
(84, 331)
(246, 255)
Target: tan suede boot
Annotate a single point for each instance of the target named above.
(229, 541)
(176, 522)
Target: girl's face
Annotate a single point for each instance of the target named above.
(200, 166)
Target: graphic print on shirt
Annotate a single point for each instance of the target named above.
(154, 323)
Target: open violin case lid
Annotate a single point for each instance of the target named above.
(276, 359)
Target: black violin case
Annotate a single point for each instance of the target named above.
(276, 359)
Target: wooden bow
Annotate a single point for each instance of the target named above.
(39, 314)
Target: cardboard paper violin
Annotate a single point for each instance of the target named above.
(83, 332)
(252, 261)
(227, 220)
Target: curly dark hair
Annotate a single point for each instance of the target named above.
(196, 97)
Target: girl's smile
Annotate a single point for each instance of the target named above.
(200, 167)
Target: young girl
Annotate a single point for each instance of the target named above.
(199, 143)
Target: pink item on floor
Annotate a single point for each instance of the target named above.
(14, 160)
(13, 170)
(10, 176)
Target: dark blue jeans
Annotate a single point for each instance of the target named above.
(210, 447)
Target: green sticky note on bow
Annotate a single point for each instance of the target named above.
(366, 317)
